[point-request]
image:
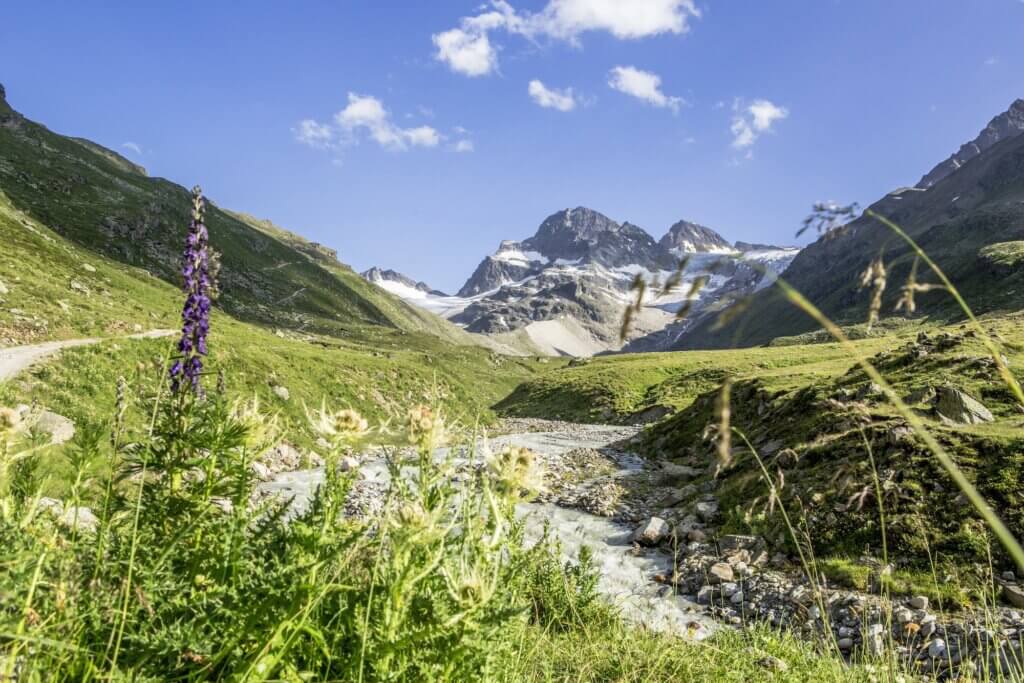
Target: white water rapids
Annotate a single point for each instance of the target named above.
(626, 579)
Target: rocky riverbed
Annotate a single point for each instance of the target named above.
(653, 530)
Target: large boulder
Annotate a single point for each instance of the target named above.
(956, 406)
(652, 532)
(59, 428)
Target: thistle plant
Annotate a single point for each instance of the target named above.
(195, 316)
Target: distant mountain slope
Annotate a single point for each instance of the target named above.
(105, 203)
(967, 218)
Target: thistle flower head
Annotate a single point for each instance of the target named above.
(515, 470)
(9, 420)
(337, 426)
(195, 315)
(426, 428)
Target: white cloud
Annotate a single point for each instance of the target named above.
(367, 113)
(364, 115)
(749, 123)
(467, 49)
(316, 135)
(463, 146)
(643, 85)
(567, 19)
(132, 147)
(551, 98)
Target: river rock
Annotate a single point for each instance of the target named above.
(281, 392)
(957, 406)
(1013, 594)
(706, 510)
(731, 542)
(937, 648)
(720, 572)
(652, 532)
(918, 602)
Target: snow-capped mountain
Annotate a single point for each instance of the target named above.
(399, 284)
(689, 238)
(567, 287)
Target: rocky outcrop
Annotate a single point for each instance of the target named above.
(958, 407)
(1007, 125)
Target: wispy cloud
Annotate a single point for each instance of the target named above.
(750, 122)
(132, 147)
(469, 50)
(552, 98)
(463, 146)
(643, 85)
(313, 134)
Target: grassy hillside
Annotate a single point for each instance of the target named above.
(91, 249)
(100, 202)
(621, 388)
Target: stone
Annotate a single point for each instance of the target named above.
(60, 428)
(919, 602)
(958, 407)
(677, 471)
(281, 392)
(731, 542)
(1014, 594)
(652, 532)
(737, 598)
(705, 594)
(706, 510)
(261, 471)
(696, 536)
(937, 648)
(874, 640)
(720, 572)
(729, 589)
(845, 644)
(903, 615)
(3, 288)
(773, 664)
(89, 268)
(348, 464)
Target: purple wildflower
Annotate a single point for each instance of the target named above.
(195, 316)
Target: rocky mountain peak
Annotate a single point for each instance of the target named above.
(565, 234)
(689, 238)
(1004, 126)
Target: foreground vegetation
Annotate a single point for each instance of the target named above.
(182, 572)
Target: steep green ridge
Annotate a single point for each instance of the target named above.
(98, 200)
(957, 222)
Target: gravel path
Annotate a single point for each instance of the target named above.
(15, 359)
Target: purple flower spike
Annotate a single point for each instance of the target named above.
(195, 316)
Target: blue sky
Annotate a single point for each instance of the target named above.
(425, 147)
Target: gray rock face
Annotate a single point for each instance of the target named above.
(382, 276)
(956, 406)
(1007, 125)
